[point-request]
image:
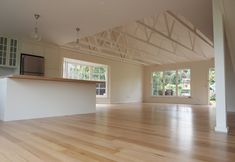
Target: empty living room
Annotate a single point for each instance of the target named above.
(117, 81)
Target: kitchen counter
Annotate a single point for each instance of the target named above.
(50, 79)
(28, 97)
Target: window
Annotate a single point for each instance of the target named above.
(212, 88)
(3, 50)
(13, 49)
(158, 84)
(76, 69)
(8, 52)
(184, 80)
(171, 83)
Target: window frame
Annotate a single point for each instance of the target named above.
(9, 56)
(177, 84)
(90, 65)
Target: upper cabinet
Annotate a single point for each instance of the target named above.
(8, 52)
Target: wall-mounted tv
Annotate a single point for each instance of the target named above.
(31, 65)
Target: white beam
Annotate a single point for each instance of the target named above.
(219, 48)
(168, 52)
(164, 35)
(157, 58)
(189, 28)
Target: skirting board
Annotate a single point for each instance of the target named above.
(222, 129)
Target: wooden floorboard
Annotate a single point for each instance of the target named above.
(121, 133)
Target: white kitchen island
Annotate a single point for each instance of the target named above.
(28, 97)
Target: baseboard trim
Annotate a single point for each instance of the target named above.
(222, 129)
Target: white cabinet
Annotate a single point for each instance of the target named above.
(8, 52)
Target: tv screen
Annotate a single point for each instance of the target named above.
(31, 65)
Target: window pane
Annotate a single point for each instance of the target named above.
(212, 88)
(101, 89)
(96, 70)
(84, 72)
(4, 62)
(77, 69)
(97, 91)
(157, 84)
(12, 42)
(102, 77)
(5, 41)
(96, 77)
(102, 85)
(99, 73)
(15, 43)
(170, 83)
(102, 92)
(184, 78)
(3, 50)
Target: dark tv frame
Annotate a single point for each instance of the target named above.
(22, 63)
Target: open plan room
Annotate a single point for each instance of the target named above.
(117, 81)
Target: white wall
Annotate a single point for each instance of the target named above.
(199, 83)
(3, 90)
(125, 79)
(126, 83)
(49, 51)
(6, 71)
(28, 99)
(230, 81)
(228, 8)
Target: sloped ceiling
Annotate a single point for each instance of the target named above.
(160, 39)
(229, 12)
(59, 18)
(142, 31)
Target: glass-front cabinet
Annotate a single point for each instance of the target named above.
(8, 52)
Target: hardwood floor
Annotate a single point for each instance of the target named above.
(121, 133)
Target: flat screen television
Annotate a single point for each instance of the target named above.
(31, 65)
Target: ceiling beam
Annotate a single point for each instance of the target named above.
(189, 28)
(163, 35)
(123, 55)
(154, 45)
(157, 59)
(103, 55)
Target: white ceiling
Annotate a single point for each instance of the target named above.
(229, 10)
(159, 39)
(59, 18)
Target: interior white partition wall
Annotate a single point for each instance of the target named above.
(219, 47)
(28, 99)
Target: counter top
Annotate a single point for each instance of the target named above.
(27, 77)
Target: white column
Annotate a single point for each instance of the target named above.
(219, 48)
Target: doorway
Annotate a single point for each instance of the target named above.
(212, 87)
